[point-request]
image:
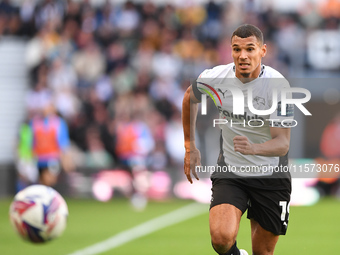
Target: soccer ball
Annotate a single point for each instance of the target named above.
(38, 214)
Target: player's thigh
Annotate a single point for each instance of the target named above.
(263, 241)
(229, 201)
(224, 220)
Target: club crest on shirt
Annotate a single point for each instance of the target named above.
(259, 101)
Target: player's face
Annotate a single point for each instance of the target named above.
(247, 54)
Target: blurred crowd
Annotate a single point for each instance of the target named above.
(117, 73)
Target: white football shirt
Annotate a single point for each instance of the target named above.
(221, 84)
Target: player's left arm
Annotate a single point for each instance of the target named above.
(278, 146)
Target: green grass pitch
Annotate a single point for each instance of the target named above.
(312, 230)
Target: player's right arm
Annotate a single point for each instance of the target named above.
(192, 156)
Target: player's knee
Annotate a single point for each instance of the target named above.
(222, 240)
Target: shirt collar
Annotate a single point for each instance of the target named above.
(261, 73)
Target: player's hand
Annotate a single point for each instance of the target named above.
(192, 159)
(242, 145)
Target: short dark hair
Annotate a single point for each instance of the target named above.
(247, 30)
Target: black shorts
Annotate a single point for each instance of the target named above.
(269, 207)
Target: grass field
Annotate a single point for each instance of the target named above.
(312, 230)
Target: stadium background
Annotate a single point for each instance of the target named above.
(117, 67)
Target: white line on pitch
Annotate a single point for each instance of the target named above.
(174, 217)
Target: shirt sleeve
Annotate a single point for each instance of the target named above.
(205, 84)
(196, 91)
(198, 87)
